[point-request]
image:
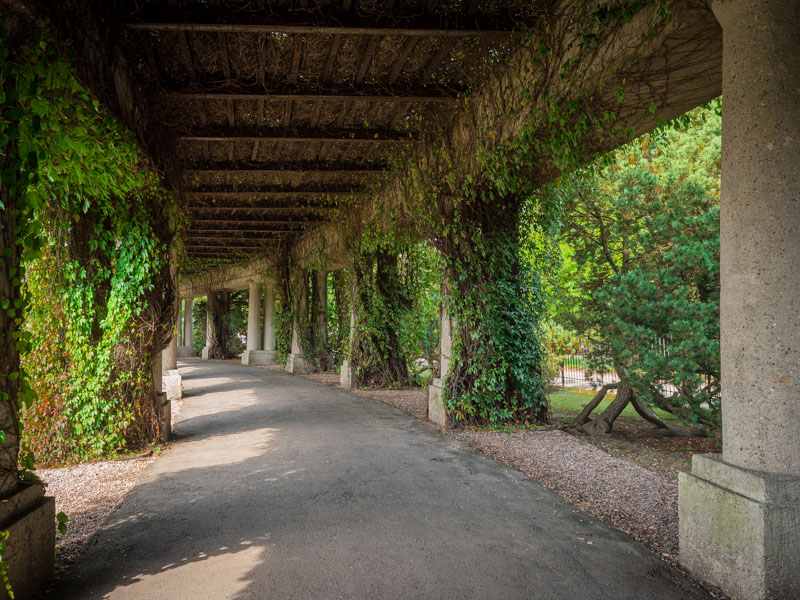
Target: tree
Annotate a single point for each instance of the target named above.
(644, 234)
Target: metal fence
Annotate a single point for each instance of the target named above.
(575, 370)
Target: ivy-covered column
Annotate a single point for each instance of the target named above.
(270, 354)
(495, 368)
(376, 358)
(297, 361)
(740, 511)
(319, 318)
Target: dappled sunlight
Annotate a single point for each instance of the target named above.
(221, 573)
(218, 450)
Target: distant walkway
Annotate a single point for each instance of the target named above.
(279, 487)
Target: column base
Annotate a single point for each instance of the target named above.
(204, 353)
(29, 517)
(171, 384)
(436, 410)
(259, 357)
(346, 375)
(297, 365)
(186, 352)
(739, 529)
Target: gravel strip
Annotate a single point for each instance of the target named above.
(413, 401)
(633, 499)
(87, 494)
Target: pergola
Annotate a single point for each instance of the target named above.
(265, 116)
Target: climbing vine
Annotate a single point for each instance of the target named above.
(82, 204)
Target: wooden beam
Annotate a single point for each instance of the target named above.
(310, 29)
(243, 231)
(304, 136)
(444, 51)
(286, 171)
(276, 193)
(260, 210)
(420, 97)
(402, 57)
(250, 222)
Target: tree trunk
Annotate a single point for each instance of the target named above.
(605, 422)
(583, 418)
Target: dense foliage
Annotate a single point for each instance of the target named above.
(86, 200)
(642, 265)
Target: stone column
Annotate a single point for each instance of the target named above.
(740, 512)
(253, 314)
(170, 353)
(436, 410)
(296, 361)
(187, 349)
(209, 327)
(269, 318)
(346, 372)
(319, 316)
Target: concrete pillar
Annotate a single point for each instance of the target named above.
(319, 309)
(209, 327)
(346, 372)
(170, 354)
(188, 323)
(436, 409)
(269, 318)
(296, 361)
(253, 313)
(156, 370)
(740, 512)
(186, 350)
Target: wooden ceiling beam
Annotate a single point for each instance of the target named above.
(271, 193)
(420, 97)
(364, 28)
(250, 222)
(304, 136)
(289, 170)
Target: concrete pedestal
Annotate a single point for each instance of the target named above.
(204, 353)
(259, 357)
(171, 384)
(186, 352)
(346, 375)
(297, 365)
(436, 411)
(29, 517)
(739, 528)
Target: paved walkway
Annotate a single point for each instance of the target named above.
(280, 487)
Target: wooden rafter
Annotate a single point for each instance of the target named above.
(429, 30)
(402, 57)
(320, 95)
(301, 136)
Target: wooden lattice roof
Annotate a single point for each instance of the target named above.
(275, 109)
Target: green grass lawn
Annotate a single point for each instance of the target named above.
(570, 402)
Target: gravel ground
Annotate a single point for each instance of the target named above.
(414, 401)
(633, 499)
(87, 494)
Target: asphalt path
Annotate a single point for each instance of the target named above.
(280, 487)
